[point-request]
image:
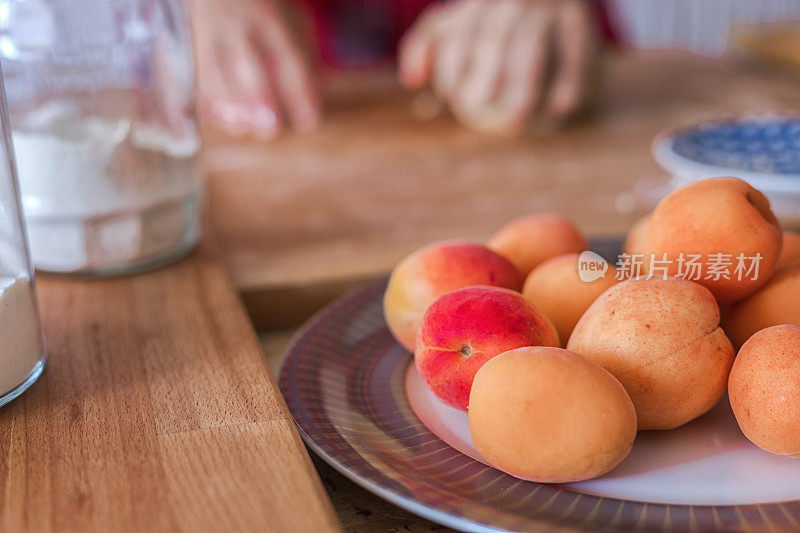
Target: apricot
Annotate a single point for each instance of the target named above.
(764, 389)
(550, 415)
(463, 329)
(533, 239)
(437, 269)
(717, 216)
(557, 289)
(790, 252)
(777, 302)
(662, 341)
(636, 240)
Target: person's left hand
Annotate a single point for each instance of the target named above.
(497, 63)
(253, 74)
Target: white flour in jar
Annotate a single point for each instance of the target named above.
(100, 192)
(20, 334)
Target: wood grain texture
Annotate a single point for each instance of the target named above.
(301, 217)
(156, 412)
(770, 45)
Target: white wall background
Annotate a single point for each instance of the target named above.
(698, 26)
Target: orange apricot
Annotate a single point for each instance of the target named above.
(728, 224)
(764, 389)
(533, 239)
(550, 415)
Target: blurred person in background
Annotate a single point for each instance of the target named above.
(497, 64)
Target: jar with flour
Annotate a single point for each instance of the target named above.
(101, 96)
(21, 345)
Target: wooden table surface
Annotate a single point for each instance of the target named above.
(156, 412)
(302, 218)
(359, 510)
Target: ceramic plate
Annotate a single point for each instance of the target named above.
(762, 149)
(360, 405)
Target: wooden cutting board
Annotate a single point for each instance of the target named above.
(772, 45)
(302, 218)
(156, 412)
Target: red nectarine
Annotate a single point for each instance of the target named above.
(463, 329)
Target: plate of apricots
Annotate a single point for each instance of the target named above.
(537, 382)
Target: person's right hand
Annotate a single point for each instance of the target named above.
(497, 63)
(252, 76)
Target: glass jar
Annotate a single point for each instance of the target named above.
(101, 100)
(21, 345)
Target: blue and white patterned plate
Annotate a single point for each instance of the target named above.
(763, 150)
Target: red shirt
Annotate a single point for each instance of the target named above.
(354, 33)
(361, 32)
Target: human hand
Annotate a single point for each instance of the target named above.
(253, 77)
(497, 63)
